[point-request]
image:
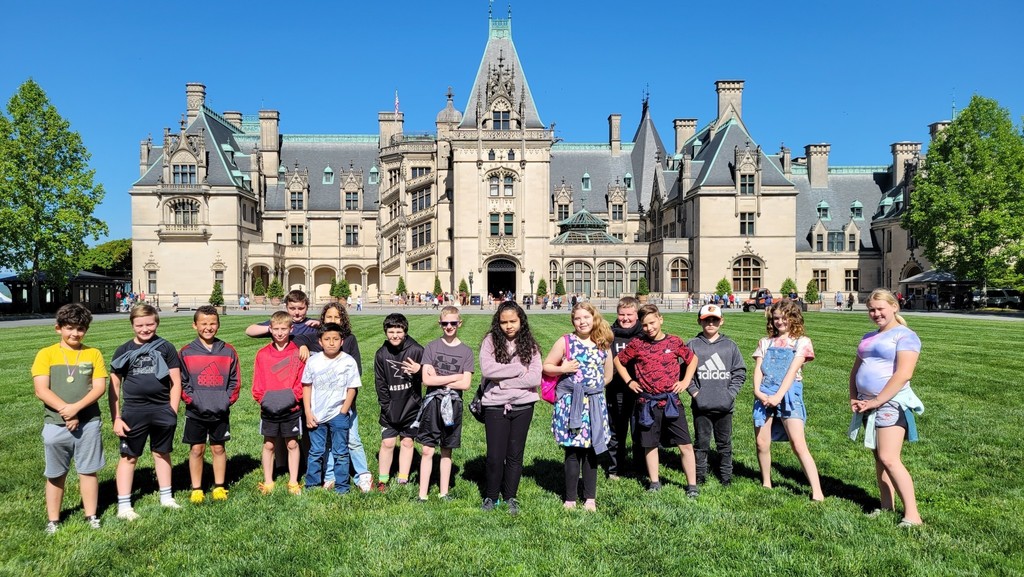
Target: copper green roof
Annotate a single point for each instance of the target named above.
(584, 228)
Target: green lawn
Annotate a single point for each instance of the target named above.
(969, 494)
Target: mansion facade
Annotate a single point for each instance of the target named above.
(494, 199)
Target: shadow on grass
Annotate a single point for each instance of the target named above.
(475, 471)
(795, 479)
(548, 474)
(144, 481)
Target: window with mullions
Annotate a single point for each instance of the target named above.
(493, 185)
(852, 280)
(183, 173)
(186, 212)
(835, 241)
(746, 224)
(296, 199)
(578, 278)
(678, 275)
(509, 186)
(418, 171)
(351, 235)
(509, 228)
(746, 274)
(421, 235)
(617, 212)
(151, 275)
(351, 200)
(563, 211)
(636, 270)
(425, 264)
(500, 120)
(820, 277)
(495, 224)
(610, 278)
(421, 200)
(746, 184)
(297, 234)
(851, 242)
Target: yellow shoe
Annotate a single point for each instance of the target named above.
(266, 488)
(197, 496)
(219, 494)
(294, 489)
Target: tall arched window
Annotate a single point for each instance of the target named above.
(678, 273)
(610, 276)
(637, 269)
(746, 274)
(579, 278)
(185, 212)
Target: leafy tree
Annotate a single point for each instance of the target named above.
(258, 288)
(401, 286)
(47, 194)
(333, 291)
(437, 286)
(275, 290)
(217, 296)
(463, 288)
(560, 287)
(967, 206)
(344, 290)
(114, 255)
(788, 286)
(641, 286)
(723, 287)
(811, 294)
(542, 288)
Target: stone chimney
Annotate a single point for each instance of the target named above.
(235, 118)
(787, 161)
(195, 99)
(145, 147)
(615, 133)
(270, 142)
(729, 92)
(817, 164)
(685, 129)
(936, 127)
(901, 153)
(390, 124)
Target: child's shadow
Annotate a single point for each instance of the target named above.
(831, 486)
(475, 471)
(548, 474)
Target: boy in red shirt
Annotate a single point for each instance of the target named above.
(655, 359)
(277, 387)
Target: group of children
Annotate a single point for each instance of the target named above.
(308, 376)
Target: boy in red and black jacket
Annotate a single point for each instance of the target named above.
(277, 387)
(210, 381)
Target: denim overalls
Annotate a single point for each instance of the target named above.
(774, 367)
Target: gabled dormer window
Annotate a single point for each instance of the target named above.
(296, 199)
(374, 175)
(183, 173)
(563, 211)
(628, 180)
(328, 176)
(500, 120)
(586, 181)
(746, 184)
(823, 212)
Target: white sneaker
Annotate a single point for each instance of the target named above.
(93, 521)
(127, 514)
(365, 482)
(170, 504)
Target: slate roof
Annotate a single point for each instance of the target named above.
(317, 156)
(845, 186)
(716, 168)
(570, 163)
(499, 44)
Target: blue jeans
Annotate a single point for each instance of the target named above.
(355, 451)
(337, 429)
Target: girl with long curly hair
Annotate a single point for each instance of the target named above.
(510, 367)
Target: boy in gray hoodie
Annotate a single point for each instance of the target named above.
(719, 378)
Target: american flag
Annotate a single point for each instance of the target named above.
(396, 101)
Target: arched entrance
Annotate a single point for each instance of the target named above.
(501, 276)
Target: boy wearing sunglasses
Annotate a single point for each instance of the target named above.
(718, 380)
(447, 371)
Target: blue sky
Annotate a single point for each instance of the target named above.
(859, 75)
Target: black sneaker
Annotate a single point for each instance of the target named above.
(513, 506)
(692, 491)
(488, 504)
(654, 487)
(701, 479)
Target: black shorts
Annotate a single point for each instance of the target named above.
(157, 424)
(406, 431)
(664, 431)
(289, 428)
(433, 433)
(200, 431)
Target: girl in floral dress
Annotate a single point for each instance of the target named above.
(583, 360)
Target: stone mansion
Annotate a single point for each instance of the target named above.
(493, 198)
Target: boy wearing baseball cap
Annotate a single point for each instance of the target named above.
(718, 379)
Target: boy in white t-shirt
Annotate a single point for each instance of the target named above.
(329, 384)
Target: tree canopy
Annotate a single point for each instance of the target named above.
(111, 256)
(967, 209)
(47, 194)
